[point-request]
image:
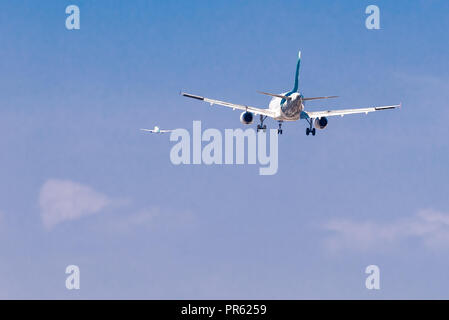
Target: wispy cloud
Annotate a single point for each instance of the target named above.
(62, 200)
(428, 226)
(65, 200)
(153, 217)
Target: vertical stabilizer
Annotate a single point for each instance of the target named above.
(295, 87)
(298, 65)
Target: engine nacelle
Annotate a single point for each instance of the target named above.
(321, 123)
(246, 117)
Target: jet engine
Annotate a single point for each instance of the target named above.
(246, 117)
(321, 123)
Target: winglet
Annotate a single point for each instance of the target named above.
(299, 54)
(188, 95)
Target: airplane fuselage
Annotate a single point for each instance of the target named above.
(287, 110)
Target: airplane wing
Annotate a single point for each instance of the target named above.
(164, 131)
(147, 130)
(265, 112)
(329, 113)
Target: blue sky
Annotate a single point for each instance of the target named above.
(367, 190)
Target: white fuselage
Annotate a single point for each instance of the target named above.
(287, 110)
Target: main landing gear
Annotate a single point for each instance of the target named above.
(261, 126)
(280, 127)
(310, 129)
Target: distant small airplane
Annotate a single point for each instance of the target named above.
(289, 106)
(156, 130)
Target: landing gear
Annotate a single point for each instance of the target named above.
(310, 129)
(280, 127)
(261, 126)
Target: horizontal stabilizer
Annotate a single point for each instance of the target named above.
(318, 98)
(275, 95)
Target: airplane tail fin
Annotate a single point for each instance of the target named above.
(295, 88)
(298, 65)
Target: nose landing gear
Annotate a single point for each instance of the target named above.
(280, 127)
(261, 126)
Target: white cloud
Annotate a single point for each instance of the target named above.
(428, 226)
(62, 200)
(153, 217)
(125, 223)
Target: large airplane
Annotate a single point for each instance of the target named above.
(289, 106)
(156, 130)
